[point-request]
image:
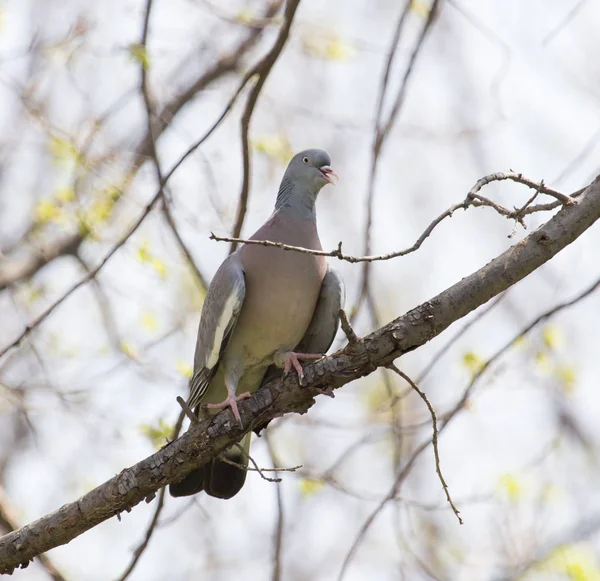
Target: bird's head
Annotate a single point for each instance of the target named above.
(310, 170)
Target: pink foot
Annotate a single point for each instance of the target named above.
(231, 402)
(292, 360)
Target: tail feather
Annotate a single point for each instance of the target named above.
(191, 484)
(217, 478)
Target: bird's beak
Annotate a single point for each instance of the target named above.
(328, 174)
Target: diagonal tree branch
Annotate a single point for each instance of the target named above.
(206, 439)
(8, 521)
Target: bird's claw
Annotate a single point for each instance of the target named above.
(292, 360)
(231, 402)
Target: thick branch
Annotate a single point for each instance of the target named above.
(208, 438)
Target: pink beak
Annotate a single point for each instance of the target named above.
(328, 174)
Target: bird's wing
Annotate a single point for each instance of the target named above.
(220, 313)
(324, 323)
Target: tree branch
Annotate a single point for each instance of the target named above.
(474, 198)
(206, 439)
(262, 69)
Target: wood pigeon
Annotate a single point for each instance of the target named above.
(265, 307)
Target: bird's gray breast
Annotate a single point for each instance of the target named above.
(282, 289)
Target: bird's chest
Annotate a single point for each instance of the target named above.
(281, 295)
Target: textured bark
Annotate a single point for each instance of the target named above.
(204, 440)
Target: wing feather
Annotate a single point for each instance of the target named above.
(220, 313)
(325, 321)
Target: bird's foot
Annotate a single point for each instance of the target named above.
(231, 402)
(292, 360)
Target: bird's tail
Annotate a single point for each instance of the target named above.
(218, 478)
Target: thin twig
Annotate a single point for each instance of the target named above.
(566, 19)
(256, 468)
(262, 69)
(520, 179)
(382, 128)
(89, 276)
(347, 328)
(488, 363)
(182, 245)
(151, 145)
(434, 438)
(278, 535)
(186, 409)
(473, 199)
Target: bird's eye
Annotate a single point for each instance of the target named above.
(305, 159)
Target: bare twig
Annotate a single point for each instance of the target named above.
(262, 70)
(583, 530)
(401, 476)
(106, 313)
(382, 128)
(151, 145)
(228, 63)
(563, 23)
(29, 258)
(473, 199)
(139, 551)
(186, 409)
(434, 439)
(347, 328)
(278, 535)
(182, 245)
(256, 468)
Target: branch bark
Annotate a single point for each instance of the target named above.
(204, 440)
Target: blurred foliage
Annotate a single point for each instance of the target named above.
(275, 146)
(473, 362)
(309, 487)
(184, 368)
(511, 486)
(139, 54)
(159, 434)
(577, 562)
(145, 256)
(327, 45)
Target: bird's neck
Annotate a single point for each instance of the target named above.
(297, 204)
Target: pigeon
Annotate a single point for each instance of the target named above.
(266, 308)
